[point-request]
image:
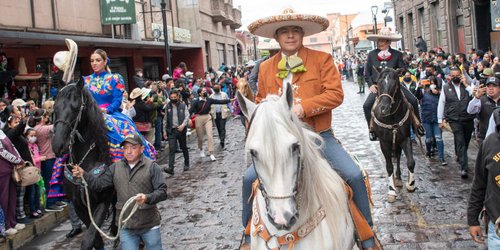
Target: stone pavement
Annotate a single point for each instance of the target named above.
(434, 216)
(203, 209)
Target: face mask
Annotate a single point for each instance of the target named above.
(456, 80)
(205, 95)
(217, 90)
(174, 101)
(471, 72)
(407, 79)
(32, 139)
(428, 73)
(433, 86)
(139, 74)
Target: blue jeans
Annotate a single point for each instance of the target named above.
(432, 130)
(33, 197)
(46, 175)
(158, 132)
(341, 162)
(493, 239)
(151, 239)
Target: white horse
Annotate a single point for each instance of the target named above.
(301, 201)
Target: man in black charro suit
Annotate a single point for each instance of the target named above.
(380, 58)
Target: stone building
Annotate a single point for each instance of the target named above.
(200, 33)
(454, 25)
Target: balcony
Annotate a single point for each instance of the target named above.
(237, 19)
(229, 14)
(218, 10)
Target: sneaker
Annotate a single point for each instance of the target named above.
(11, 231)
(24, 220)
(443, 162)
(186, 168)
(61, 204)
(19, 226)
(212, 157)
(54, 208)
(35, 215)
(202, 153)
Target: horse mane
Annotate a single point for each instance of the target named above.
(92, 124)
(244, 89)
(319, 184)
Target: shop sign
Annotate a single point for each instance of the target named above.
(179, 34)
(118, 11)
(495, 15)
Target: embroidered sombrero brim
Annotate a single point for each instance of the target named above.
(376, 37)
(267, 26)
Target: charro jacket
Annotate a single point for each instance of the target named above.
(318, 89)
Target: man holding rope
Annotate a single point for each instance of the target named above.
(134, 176)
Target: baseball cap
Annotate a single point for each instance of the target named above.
(493, 80)
(132, 138)
(487, 72)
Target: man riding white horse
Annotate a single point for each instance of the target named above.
(317, 91)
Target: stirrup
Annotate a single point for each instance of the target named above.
(421, 130)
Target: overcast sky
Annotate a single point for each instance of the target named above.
(252, 10)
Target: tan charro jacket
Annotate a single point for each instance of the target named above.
(318, 89)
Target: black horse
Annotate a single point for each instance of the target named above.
(79, 130)
(392, 121)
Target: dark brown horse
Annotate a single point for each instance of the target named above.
(79, 130)
(392, 121)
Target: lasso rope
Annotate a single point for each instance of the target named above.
(129, 202)
(497, 227)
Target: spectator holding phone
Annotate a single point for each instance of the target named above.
(486, 99)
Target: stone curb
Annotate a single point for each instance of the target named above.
(37, 228)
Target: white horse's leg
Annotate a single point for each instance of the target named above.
(407, 148)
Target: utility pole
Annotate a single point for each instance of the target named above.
(165, 37)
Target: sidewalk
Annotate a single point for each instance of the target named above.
(51, 220)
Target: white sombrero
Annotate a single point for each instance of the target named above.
(135, 93)
(23, 72)
(384, 33)
(267, 26)
(66, 60)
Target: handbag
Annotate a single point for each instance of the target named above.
(192, 120)
(143, 126)
(26, 175)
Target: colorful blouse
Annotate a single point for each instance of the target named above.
(107, 89)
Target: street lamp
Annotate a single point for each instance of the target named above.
(387, 18)
(374, 14)
(165, 36)
(254, 47)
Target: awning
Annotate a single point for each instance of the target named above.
(21, 38)
(363, 45)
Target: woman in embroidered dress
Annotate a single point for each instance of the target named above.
(107, 89)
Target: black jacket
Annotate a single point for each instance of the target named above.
(17, 138)
(396, 62)
(485, 189)
(143, 111)
(202, 107)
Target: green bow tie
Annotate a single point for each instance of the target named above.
(289, 64)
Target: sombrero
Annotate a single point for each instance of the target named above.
(135, 93)
(23, 72)
(267, 26)
(66, 60)
(384, 33)
(145, 93)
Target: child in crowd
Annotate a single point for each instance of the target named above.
(34, 190)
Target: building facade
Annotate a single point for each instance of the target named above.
(200, 33)
(334, 40)
(454, 25)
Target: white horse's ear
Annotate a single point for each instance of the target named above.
(247, 106)
(287, 96)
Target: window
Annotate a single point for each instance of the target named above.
(421, 24)
(313, 40)
(157, 3)
(207, 52)
(221, 53)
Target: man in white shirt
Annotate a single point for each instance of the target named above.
(452, 108)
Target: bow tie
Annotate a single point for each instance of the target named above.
(384, 55)
(289, 64)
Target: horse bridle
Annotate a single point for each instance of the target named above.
(74, 132)
(300, 167)
(391, 97)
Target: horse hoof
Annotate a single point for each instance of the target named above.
(411, 188)
(391, 198)
(398, 182)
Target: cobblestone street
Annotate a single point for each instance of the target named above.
(203, 209)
